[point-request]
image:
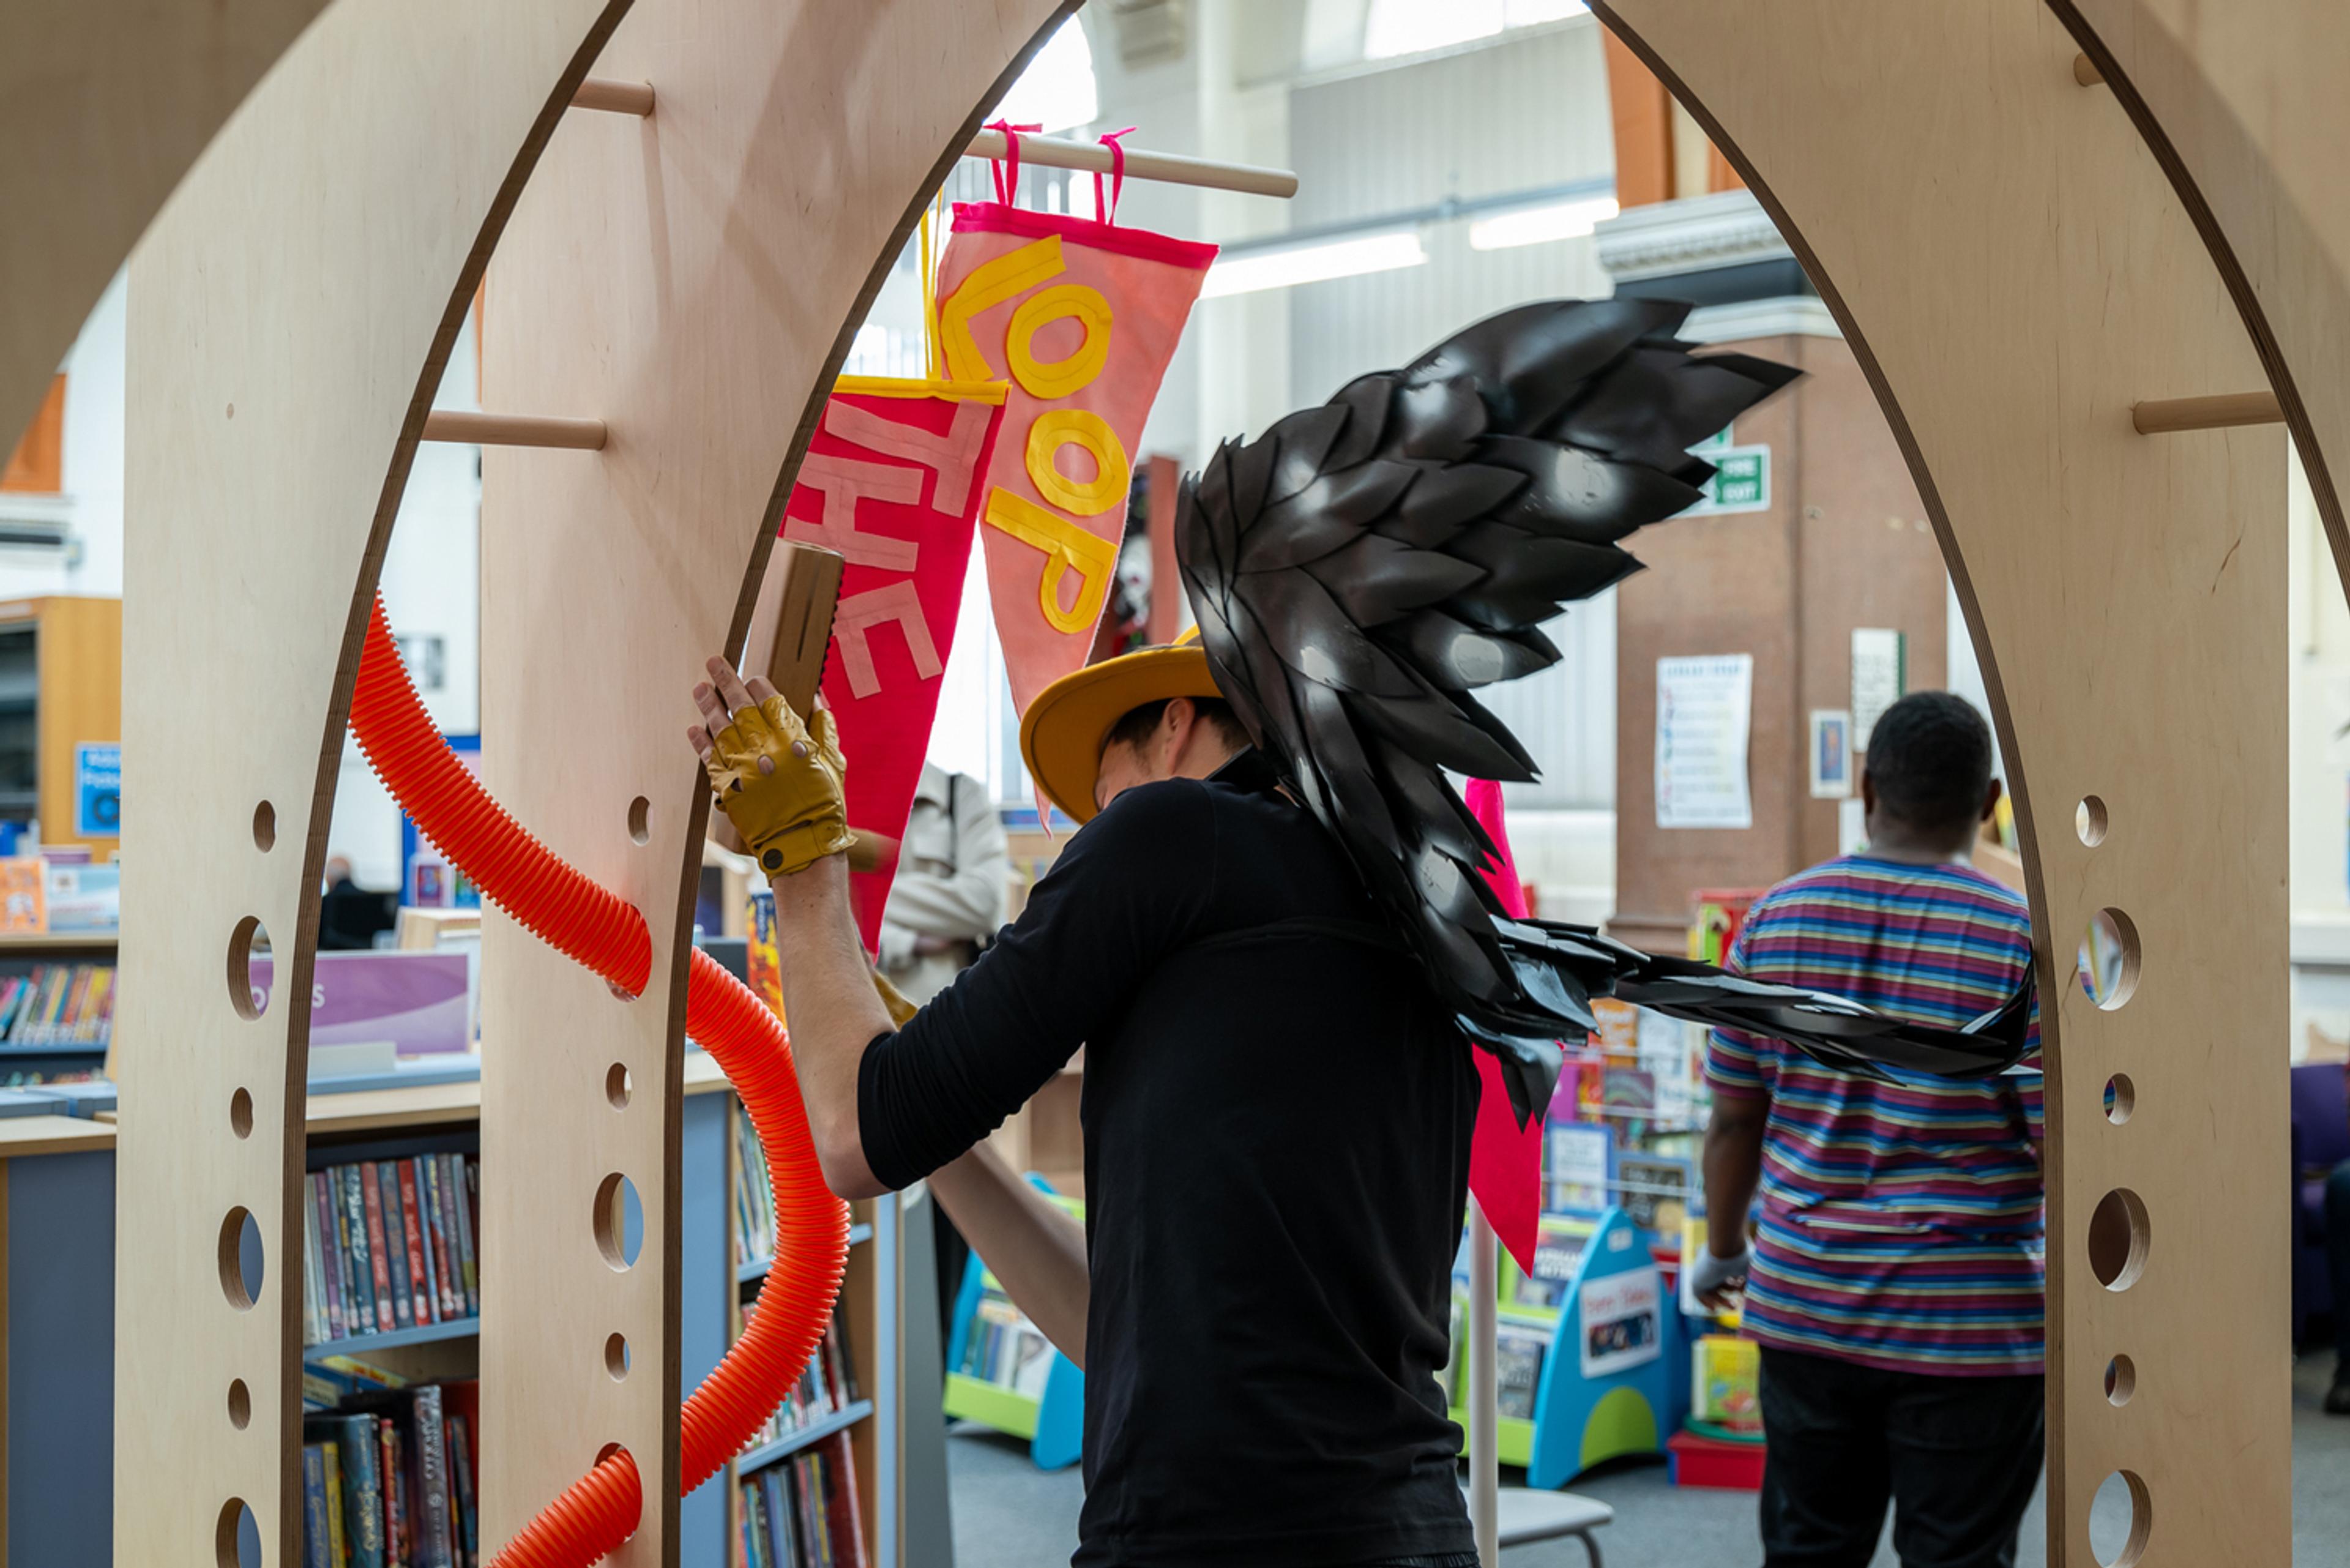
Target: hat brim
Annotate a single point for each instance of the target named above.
(1062, 734)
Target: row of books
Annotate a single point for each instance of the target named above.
(755, 1199)
(58, 1005)
(826, 1389)
(390, 1246)
(803, 1513)
(390, 1479)
(1005, 1349)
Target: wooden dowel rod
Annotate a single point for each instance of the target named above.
(1166, 168)
(513, 430)
(614, 97)
(2085, 72)
(2162, 415)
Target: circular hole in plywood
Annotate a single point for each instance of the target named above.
(2107, 964)
(640, 810)
(616, 1356)
(265, 828)
(2118, 1239)
(2120, 1518)
(248, 996)
(2089, 820)
(239, 1404)
(237, 1539)
(2121, 1098)
(240, 1114)
(2121, 1381)
(619, 1221)
(617, 1087)
(241, 1261)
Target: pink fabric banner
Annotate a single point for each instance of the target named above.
(892, 481)
(1082, 317)
(1504, 1159)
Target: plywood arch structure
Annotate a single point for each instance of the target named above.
(2015, 272)
(291, 312)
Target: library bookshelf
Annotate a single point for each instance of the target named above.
(59, 1309)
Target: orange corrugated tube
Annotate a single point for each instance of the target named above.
(605, 933)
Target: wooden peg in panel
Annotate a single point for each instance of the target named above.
(807, 590)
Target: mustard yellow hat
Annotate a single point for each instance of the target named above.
(1062, 734)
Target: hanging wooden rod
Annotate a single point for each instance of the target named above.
(2161, 416)
(614, 97)
(1167, 168)
(513, 430)
(2085, 72)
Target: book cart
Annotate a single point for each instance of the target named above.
(1004, 1373)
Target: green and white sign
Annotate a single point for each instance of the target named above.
(1740, 482)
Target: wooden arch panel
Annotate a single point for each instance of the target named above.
(291, 314)
(692, 279)
(2015, 272)
(103, 105)
(2243, 103)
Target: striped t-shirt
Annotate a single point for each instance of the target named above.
(1898, 1224)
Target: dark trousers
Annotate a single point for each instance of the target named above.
(2337, 1263)
(1957, 1457)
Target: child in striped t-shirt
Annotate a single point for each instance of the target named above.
(1896, 1278)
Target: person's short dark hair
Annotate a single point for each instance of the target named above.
(1929, 756)
(1136, 726)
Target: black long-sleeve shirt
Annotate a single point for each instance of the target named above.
(1277, 1115)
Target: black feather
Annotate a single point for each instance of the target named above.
(1362, 567)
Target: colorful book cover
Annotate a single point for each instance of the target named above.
(315, 1551)
(373, 1315)
(420, 1261)
(1725, 1383)
(363, 1484)
(24, 897)
(338, 1540)
(1518, 1353)
(391, 1304)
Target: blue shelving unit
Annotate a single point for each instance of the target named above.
(792, 1442)
(1053, 1424)
(369, 1344)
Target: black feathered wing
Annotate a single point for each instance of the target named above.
(1363, 568)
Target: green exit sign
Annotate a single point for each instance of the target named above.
(1740, 482)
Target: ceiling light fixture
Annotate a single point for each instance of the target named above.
(1314, 262)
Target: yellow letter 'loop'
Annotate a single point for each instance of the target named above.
(1067, 548)
(1063, 302)
(1089, 432)
(1013, 273)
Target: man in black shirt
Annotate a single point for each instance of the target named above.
(1277, 1116)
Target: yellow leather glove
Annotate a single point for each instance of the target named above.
(901, 1012)
(792, 814)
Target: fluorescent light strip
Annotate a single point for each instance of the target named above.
(1293, 265)
(1536, 225)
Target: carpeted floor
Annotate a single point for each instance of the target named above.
(1009, 1514)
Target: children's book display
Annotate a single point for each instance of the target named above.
(58, 1004)
(1589, 1354)
(390, 1472)
(1002, 1373)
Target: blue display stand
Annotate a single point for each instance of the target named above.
(1608, 1386)
(1054, 1424)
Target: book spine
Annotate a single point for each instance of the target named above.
(363, 1485)
(330, 1260)
(744, 1555)
(779, 1516)
(445, 1237)
(315, 1550)
(362, 1259)
(386, 1181)
(314, 1280)
(461, 1471)
(847, 1512)
(100, 1005)
(339, 1549)
(436, 1257)
(434, 1537)
(77, 998)
(468, 1266)
(387, 1314)
(451, 1178)
(396, 1546)
(420, 1265)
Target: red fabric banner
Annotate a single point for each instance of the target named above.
(1504, 1159)
(893, 481)
(1083, 316)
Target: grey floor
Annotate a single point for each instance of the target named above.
(1009, 1514)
